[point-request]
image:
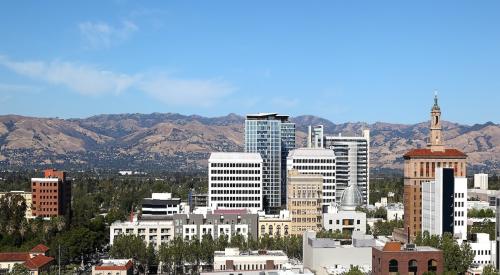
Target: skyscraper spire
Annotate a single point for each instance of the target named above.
(436, 105)
(436, 141)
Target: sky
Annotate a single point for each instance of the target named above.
(346, 61)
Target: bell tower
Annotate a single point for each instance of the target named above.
(436, 138)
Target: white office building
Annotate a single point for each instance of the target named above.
(315, 137)
(444, 204)
(316, 161)
(272, 136)
(481, 181)
(352, 162)
(235, 181)
(152, 232)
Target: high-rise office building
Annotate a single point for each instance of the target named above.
(352, 162)
(235, 181)
(444, 204)
(481, 181)
(316, 161)
(51, 195)
(272, 136)
(315, 136)
(304, 201)
(497, 234)
(420, 166)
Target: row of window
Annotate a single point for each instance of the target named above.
(236, 165)
(239, 205)
(235, 191)
(412, 266)
(235, 178)
(459, 222)
(235, 172)
(482, 252)
(236, 198)
(235, 185)
(459, 204)
(313, 161)
(45, 184)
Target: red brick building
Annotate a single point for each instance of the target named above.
(51, 195)
(394, 258)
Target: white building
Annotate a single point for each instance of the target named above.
(395, 211)
(352, 162)
(327, 256)
(484, 250)
(233, 259)
(345, 221)
(152, 232)
(160, 204)
(444, 204)
(316, 161)
(315, 137)
(235, 181)
(481, 181)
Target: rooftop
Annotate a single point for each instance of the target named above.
(14, 256)
(39, 249)
(398, 247)
(115, 264)
(311, 152)
(235, 156)
(235, 252)
(427, 153)
(38, 261)
(45, 179)
(267, 116)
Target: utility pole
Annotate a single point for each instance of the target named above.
(59, 260)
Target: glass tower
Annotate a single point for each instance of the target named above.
(273, 136)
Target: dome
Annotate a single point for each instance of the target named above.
(351, 198)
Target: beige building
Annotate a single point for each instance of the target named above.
(304, 199)
(420, 166)
(231, 259)
(27, 197)
(35, 260)
(275, 225)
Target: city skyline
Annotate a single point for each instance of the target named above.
(214, 59)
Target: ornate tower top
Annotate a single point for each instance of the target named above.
(436, 141)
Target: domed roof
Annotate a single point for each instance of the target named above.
(351, 198)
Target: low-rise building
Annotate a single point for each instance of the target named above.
(233, 259)
(393, 258)
(484, 249)
(196, 200)
(160, 204)
(114, 267)
(328, 256)
(220, 222)
(27, 198)
(481, 181)
(395, 211)
(345, 221)
(275, 225)
(36, 261)
(154, 232)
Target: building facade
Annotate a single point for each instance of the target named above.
(231, 259)
(481, 181)
(272, 136)
(152, 232)
(235, 181)
(345, 221)
(51, 195)
(352, 162)
(393, 258)
(444, 204)
(484, 250)
(316, 161)
(304, 201)
(191, 226)
(420, 166)
(275, 225)
(160, 205)
(315, 136)
(114, 267)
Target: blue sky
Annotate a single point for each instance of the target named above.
(342, 60)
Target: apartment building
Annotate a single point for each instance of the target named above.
(51, 195)
(153, 232)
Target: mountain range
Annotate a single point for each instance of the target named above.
(175, 142)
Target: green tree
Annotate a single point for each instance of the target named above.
(19, 269)
(489, 270)
(130, 246)
(354, 270)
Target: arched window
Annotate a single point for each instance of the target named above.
(432, 265)
(393, 266)
(412, 267)
(278, 230)
(286, 230)
(262, 229)
(270, 230)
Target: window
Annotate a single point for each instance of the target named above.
(432, 265)
(393, 266)
(412, 267)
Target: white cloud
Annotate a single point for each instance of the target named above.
(102, 35)
(93, 81)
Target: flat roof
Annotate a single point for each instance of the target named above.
(45, 180)
(235, 156)
(312, 152)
